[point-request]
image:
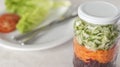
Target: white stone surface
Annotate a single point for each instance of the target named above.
(60, 56)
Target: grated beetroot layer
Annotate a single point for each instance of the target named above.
(92, 63)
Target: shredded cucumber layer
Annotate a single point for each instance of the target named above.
(95, 37)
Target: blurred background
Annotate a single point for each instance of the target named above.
(115, 2)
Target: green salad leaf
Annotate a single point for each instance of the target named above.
(95, 37)
(32, 12)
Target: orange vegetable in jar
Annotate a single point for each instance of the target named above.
(102, 56)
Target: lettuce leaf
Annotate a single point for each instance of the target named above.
(32, 12)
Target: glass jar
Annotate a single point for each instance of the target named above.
(96, 35)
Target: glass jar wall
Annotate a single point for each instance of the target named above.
(96, 35)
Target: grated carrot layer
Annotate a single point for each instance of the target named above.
(102, 56)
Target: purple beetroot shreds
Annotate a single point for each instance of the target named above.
(92, 63)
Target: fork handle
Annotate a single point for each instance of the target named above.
(25, 38)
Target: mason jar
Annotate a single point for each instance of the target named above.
(96, 35)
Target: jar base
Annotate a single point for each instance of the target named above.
(79, 63)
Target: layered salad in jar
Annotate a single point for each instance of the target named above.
(94, 44)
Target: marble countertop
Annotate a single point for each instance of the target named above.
(60, 56)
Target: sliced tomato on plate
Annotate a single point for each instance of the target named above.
(8, 22)
(13, 17)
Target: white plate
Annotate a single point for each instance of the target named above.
(52, 38)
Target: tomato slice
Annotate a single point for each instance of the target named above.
(8, 22)
(11, 17)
